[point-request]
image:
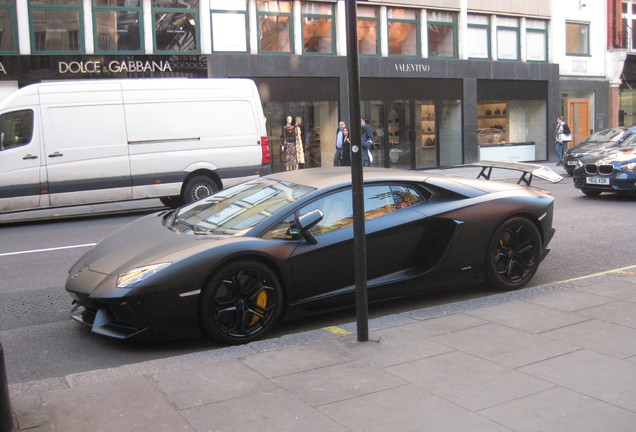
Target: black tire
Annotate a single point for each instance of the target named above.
(514, 254)
(590, 192)
(197, 188)
(172, 202)
(241, 303)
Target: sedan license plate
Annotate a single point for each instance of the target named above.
(571, 163)
(597, 180)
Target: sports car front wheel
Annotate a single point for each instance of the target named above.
(513, 254)
(242, 302)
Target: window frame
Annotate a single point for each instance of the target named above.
(488, 38)
(517, 30)
(244, 12)
(378, 28)
(194, 10)
(535, 30)
(418, 26)
(289, 15)
(14, 26)
(96, 34)
(579, 26)
(79, 8)
(331, 17)
(447, 24)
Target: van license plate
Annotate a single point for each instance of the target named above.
(597, 180)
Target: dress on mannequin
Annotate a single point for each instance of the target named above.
(300, 150)
(290, 158)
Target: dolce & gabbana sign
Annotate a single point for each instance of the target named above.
(113, 67)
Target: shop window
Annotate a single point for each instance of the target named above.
(507, 38)
(56, 26)
(403, 30)
(368, 34)
(442, 34)
(8, 27)
(118, 26)
(275, 26)
(478, 41)
(536, 40)
(577, 39)
(318, 28)
(176, 25)
(229, 26)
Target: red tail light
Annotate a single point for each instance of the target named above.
(266, 157)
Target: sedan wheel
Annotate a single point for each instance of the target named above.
(513, 254)
(241, 303)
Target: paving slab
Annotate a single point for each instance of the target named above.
(618, 312)
(618, 289)
(570, 301)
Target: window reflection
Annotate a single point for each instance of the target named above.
(274, 21)
(368, 23)
(318, 28)
(16, 129)
(403, 32)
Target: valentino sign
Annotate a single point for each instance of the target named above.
(412, 67)
(114, 66)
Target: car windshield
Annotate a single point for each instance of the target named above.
(629, 141)
(235, 210)
(605, 136)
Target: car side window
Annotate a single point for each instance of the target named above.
(337, 209)
(16, 129)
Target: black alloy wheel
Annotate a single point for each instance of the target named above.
(198, 187)
(513, 255)
(241, 303)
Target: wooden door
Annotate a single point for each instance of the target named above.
(578, 119)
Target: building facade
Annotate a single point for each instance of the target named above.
(443, 82)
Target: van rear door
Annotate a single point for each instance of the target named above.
(20, 161)
(85, 143)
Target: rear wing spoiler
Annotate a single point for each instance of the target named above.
(528, 170)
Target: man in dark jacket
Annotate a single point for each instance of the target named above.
(367, 143)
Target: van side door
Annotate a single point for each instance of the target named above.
(20, 161)
(85, 144)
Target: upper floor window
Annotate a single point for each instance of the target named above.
(56, 26)
(118, 26)
(318, 28)
(442, 34)
(478, 42)
(275, 30)
(403, 32)
(507, 38)
(577, 39)
(368, 30)
(176, 25)
(229, 26)
(8, 27)
(536, 40)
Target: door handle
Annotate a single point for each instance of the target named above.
(56, 154)
(29, 156)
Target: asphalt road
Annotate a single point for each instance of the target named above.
(40, 341)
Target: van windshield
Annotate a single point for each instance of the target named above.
(16, 129)
(236, 210)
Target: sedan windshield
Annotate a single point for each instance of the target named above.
(605, 136)
(235, 210)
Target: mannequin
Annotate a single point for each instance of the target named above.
(300, 149)
(288, 149)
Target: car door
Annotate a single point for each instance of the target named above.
(393, 235)
(20, 161)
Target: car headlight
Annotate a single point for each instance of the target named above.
(138, 274)
(631, 167)
(581, 164)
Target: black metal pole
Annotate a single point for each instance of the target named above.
(6, 418)
(357, 185)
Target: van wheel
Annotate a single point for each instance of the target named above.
(198, 188)
(172, 201)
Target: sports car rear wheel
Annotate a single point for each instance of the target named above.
(514, 254)
(241, 303)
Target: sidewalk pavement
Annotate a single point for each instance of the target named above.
(560, 357)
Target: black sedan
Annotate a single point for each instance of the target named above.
(603, 139)
(233, 264)
(612, 170)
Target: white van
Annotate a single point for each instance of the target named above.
(88, 142)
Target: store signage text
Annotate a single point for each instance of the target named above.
(412, 67)
(3, 71)
(115, 66)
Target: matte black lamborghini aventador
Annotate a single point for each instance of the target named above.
(231, 265)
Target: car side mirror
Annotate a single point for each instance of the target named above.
(308, 221)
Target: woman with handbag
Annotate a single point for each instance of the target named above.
(562, 137)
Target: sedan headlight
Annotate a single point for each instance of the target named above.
(138, 274)
(631, 167)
